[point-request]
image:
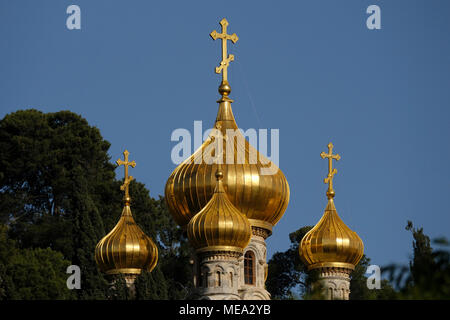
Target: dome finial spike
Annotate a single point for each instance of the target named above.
(331, 171)
(127, 179)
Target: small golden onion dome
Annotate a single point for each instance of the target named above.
(253, 184)
(219, 226)
(126, 249)
(331, 243)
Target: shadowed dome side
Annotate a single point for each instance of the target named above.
(126, 249)
(331, 243)
(219, 226)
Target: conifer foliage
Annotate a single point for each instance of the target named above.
(58, 197)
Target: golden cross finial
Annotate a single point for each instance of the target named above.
(226, 59)
(331, 171)
(127, 179)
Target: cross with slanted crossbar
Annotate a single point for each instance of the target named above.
(226, 59)
(331, 171)
(127, 179)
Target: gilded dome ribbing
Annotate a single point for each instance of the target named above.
(126, 249)
(219, 226)
(331, 243)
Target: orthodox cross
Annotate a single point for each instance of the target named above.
(127, 179)
(226, 59)
(331, 171)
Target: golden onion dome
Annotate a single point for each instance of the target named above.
(331, 243)
(126, 249)
(219, 226)
(253, 184)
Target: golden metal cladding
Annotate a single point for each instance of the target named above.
(331, 172)
(263, 198)
(127, 179)
(219, 226)
(126, 249)
(331, 243)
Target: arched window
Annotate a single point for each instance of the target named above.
(231, 279)
(249, 268)
(204, 278)
(218, 280)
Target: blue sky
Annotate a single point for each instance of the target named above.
(140, 69)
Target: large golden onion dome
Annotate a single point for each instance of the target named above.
(263, 198)
(126, 249)
(331, 243)
(219, 226)
(253, 184)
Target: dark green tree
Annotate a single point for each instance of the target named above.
(54, 174)
(31, 273)
(175, 255)
(358, 285)
(151, 285)
(428, 275)
(287, 278)
(423, 263)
